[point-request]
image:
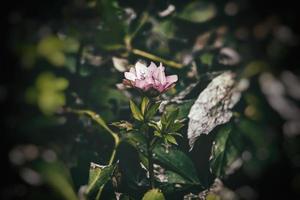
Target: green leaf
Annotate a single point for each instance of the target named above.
(171, 139)
(225, 150)
(152, 110)
(94, 172)
(144, 105)
(171, 159)
(175, 183)
(198, 12)
(176, 161)
(184, 108)
(48, 92)
(172, 116)
(176, 126)
(154, 194)
(98, 177)
(136, 113)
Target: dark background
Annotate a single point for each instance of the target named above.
(274, 183)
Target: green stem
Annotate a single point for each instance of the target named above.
(156, 58)
(150, 160)
(150, 139)
(102, 123)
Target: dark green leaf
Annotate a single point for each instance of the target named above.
(184, 108)
(171, 158)
(171, 117)
(152, 110)
(176, 126)
(176, 161)
(225, 150)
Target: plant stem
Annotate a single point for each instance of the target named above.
(113, 154)
(150, 160)
(115, 136)
(156, 58)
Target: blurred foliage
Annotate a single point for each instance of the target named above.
(73, 64)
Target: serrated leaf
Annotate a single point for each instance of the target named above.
(226, 149)
(154, 194)
(136, 113)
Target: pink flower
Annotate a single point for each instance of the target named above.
(149, 78)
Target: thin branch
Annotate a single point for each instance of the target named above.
(156, 58)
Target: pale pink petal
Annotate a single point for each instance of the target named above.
(172, 78)
(168, 86)
(132, 70)
(130, 76)
(161, 88)
(148, 86)
(142, 84)
(149, 80)
(159, 74)
(151, 69)
(141, 70)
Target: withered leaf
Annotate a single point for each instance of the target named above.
(213, 106)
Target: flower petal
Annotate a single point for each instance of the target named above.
(172, 78)
(151, 69)
(141, 70)
(142, 84)
(130, 76)
(159, 75)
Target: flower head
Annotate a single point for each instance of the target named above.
(149, 78)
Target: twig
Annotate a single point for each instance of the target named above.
(156, 58)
